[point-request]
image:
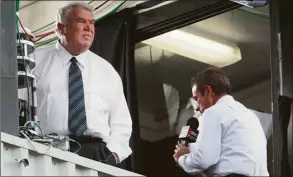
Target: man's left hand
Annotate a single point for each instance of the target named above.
(116, 157)
(180, 151)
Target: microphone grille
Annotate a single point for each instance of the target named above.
(193, 123)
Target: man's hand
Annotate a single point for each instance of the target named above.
(180, 151)
(116, 157)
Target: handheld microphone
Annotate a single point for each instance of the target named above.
(189, 132)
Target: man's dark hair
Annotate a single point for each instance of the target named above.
(213, 77)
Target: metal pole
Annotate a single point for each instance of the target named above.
(8, 90)
(282, 85)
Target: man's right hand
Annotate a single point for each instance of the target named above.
(179, 151)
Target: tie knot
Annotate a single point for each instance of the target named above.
(73, 60)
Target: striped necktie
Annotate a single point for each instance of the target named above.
(76, 113)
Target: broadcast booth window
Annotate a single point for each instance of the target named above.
(166, 63)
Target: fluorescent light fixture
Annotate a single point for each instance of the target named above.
(196, 47)
(252, 3)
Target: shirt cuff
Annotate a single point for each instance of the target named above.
(184, 163)
(181, 160)
(116, 157)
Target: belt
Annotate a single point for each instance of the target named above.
(86, 139)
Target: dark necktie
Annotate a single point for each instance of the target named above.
(76, 113)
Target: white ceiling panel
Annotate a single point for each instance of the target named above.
(36, 15)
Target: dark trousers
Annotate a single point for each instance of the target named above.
(92, 148)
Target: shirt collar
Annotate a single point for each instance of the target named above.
(65, 56)
(225, 98)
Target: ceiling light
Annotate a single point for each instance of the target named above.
(196, 47)
(252, 3)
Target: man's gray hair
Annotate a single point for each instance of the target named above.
(64, 11)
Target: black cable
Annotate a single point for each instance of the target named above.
(49, 140)
(151, 55)
(26, 76)
(96, 8)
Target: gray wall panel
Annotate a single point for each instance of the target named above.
(8, 104)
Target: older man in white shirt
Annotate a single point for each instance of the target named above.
(231, 141)
(80, 94)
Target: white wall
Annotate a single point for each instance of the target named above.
(41, 13)
(257, 97)
(44, 161)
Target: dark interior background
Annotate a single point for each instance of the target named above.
(245, 27)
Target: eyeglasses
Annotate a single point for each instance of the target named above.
(198, 95)
(195, 98)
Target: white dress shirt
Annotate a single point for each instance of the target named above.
(266, 121)
(107, 112)
(231, 140)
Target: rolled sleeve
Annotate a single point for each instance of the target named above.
(187, 165)
(120, 122)
(206, 151)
